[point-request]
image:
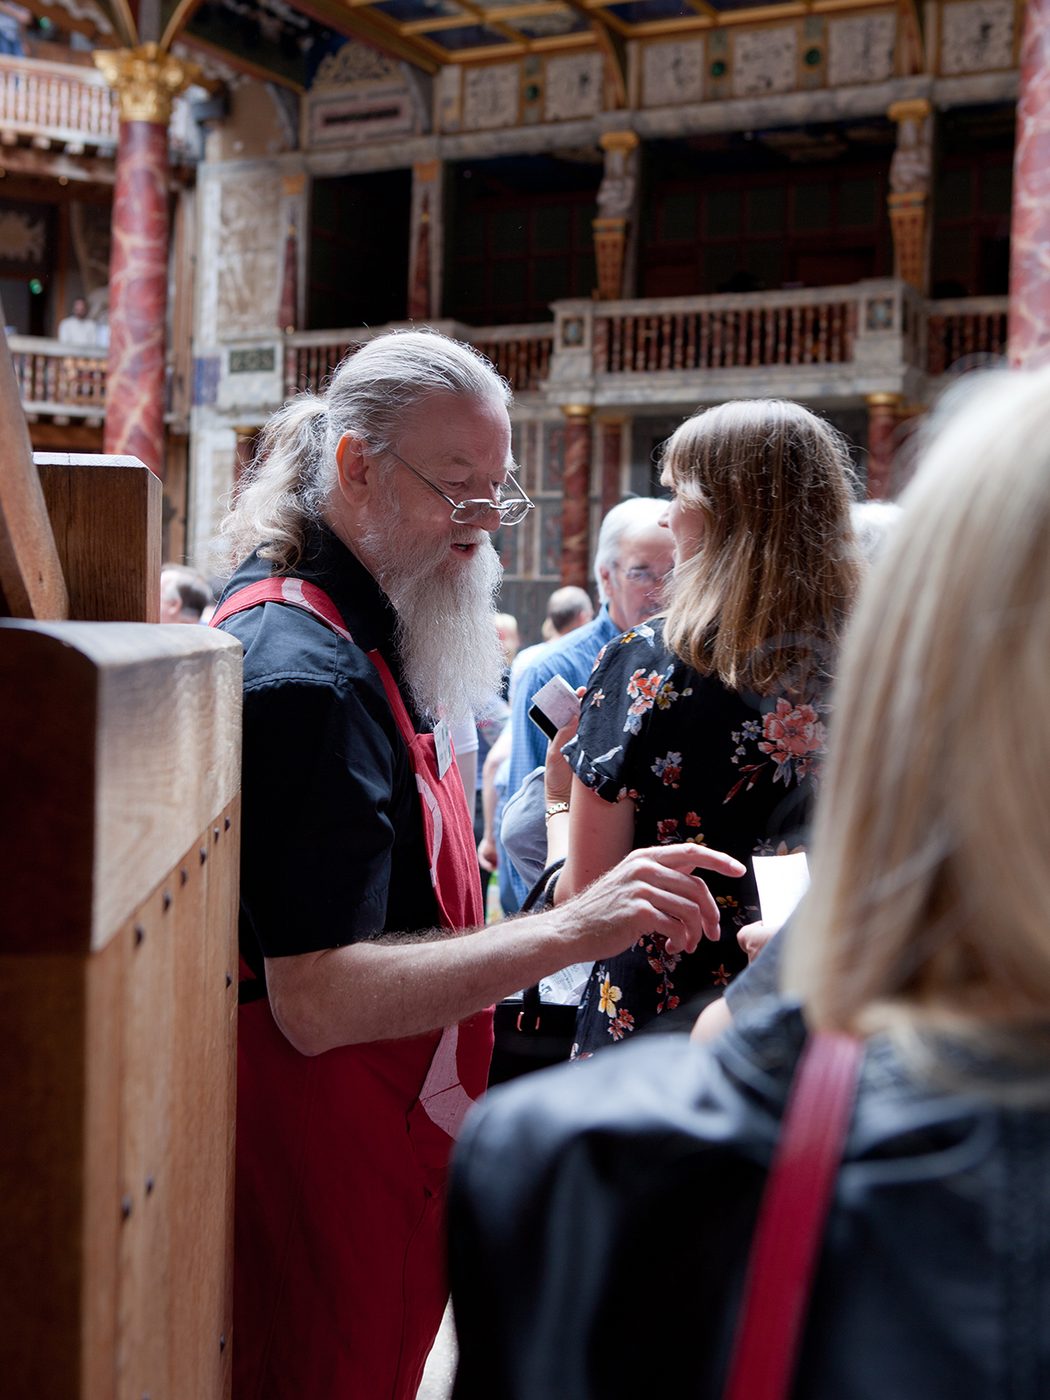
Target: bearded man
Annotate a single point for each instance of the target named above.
(364, 603)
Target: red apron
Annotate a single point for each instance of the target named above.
(339, 1280)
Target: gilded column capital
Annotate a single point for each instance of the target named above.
(146, 80)
(625, 141)
(912, 109)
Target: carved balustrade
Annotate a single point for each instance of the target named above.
(817, 343)
(66, 380)
(72, 107)
(965, 334)
(57, 102)
(521, 353)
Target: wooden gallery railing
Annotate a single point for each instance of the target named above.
(119, 777)
(57, 378)
(965, 334)
(725, 333)
(57, 101)
(521, 353)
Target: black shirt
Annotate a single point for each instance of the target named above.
(332, 846)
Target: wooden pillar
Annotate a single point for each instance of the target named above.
(576, 483)
(425, 242)
(146, 80)
(292, 187)
(883, 416)
(909, 200)
(616, 210)
(1029, 336)
(611, 457)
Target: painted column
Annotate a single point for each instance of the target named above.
(1030, 225)
(292, 187)
(616, 212)
(611, 456)
(147, 80)
(911, 171)
(576, 495)
(884, 412)
(425, 245)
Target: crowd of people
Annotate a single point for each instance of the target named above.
(745, 675)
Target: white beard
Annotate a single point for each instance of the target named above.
(446, 634)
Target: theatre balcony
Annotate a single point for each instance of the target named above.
(823, 345)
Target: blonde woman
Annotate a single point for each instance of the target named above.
(708, 725)
(926, 934)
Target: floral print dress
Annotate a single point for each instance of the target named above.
(702, 763)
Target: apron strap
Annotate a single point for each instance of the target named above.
(297, 593)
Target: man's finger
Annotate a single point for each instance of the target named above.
(687, 856)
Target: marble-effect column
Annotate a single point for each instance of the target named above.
(576, 494)
(611, 435)
(883, 418)
(146, 79)
(1029, 336)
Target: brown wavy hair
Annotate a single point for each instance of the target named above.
(763, 601)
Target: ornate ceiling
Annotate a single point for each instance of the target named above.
(286, 40)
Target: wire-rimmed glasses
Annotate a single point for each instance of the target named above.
(476, 512)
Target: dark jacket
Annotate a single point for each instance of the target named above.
(601, 1215)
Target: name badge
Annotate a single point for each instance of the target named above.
(443, 746)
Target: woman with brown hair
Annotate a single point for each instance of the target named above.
(924, 941)
(708, 724)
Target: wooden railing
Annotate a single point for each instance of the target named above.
(57, 101)
(64, 104)
(521, 353)
(725, 332)
(57, 378)
(965, 334)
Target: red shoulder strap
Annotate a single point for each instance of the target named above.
(295, 592)
(791, 1219)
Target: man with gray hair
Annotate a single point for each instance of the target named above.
(633, 559)
(364, 601)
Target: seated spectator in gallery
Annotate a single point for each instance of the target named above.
(78, 328)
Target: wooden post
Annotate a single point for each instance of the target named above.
(118, 989)
(106, 517)
(31, 582)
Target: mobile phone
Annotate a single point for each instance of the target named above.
(554, 705)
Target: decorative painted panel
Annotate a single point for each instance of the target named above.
(977, 35)
(861, 48)
(673, 72)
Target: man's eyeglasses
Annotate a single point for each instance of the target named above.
(641, 573)
(477, 512)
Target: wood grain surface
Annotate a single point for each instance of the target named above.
(105, 516)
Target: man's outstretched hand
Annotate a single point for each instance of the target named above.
(652, 890)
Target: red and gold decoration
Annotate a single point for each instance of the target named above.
(909, 200)
(616, 205)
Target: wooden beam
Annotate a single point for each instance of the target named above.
(106, 517)
(31, 581)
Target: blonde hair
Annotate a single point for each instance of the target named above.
(293, 472)
(762, 602)
(930, 900)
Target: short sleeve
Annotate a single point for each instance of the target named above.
(628, 682)
(318, 832)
